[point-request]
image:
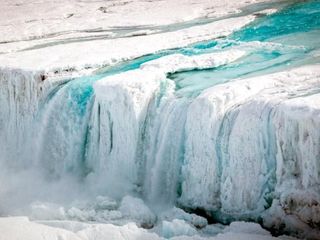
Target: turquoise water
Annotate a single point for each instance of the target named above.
(301, 17)
(279, 41)
(257, 62)
(294, 33)
(70, 142)
(295, 30)
(272, 43)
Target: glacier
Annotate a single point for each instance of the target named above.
(220, 129)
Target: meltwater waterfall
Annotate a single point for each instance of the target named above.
(217, 127)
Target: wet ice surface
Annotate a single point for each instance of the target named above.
(224, 128)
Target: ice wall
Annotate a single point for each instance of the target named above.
(19, 94)
(239, 150)
(233, 150)
(250, 113)
(117, 129)
(136, 113)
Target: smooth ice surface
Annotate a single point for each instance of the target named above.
(209, 120)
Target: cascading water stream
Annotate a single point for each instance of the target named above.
(63, 129)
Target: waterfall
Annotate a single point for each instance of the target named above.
(226, 128)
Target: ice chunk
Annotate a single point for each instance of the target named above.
(178, 62)
(135, 209)
(177, 228)
(191, 218)
(246, 227)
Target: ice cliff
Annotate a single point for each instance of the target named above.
(225, 129)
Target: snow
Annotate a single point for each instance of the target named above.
(179, 62)
(110, 51)
(242, 227)
(191, 218)
(21, 22)
(21, 228)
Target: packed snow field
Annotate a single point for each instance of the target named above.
(193, 120)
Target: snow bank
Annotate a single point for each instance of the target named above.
(108, 16)
(20, 228)
(178, 62)
(101, 53)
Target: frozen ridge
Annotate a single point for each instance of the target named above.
(257, 112)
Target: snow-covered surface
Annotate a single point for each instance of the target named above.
(24, 20)
(94, 54)
(21, 228)
(46, 35)
(179, 62)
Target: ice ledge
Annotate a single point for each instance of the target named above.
(82, 56)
